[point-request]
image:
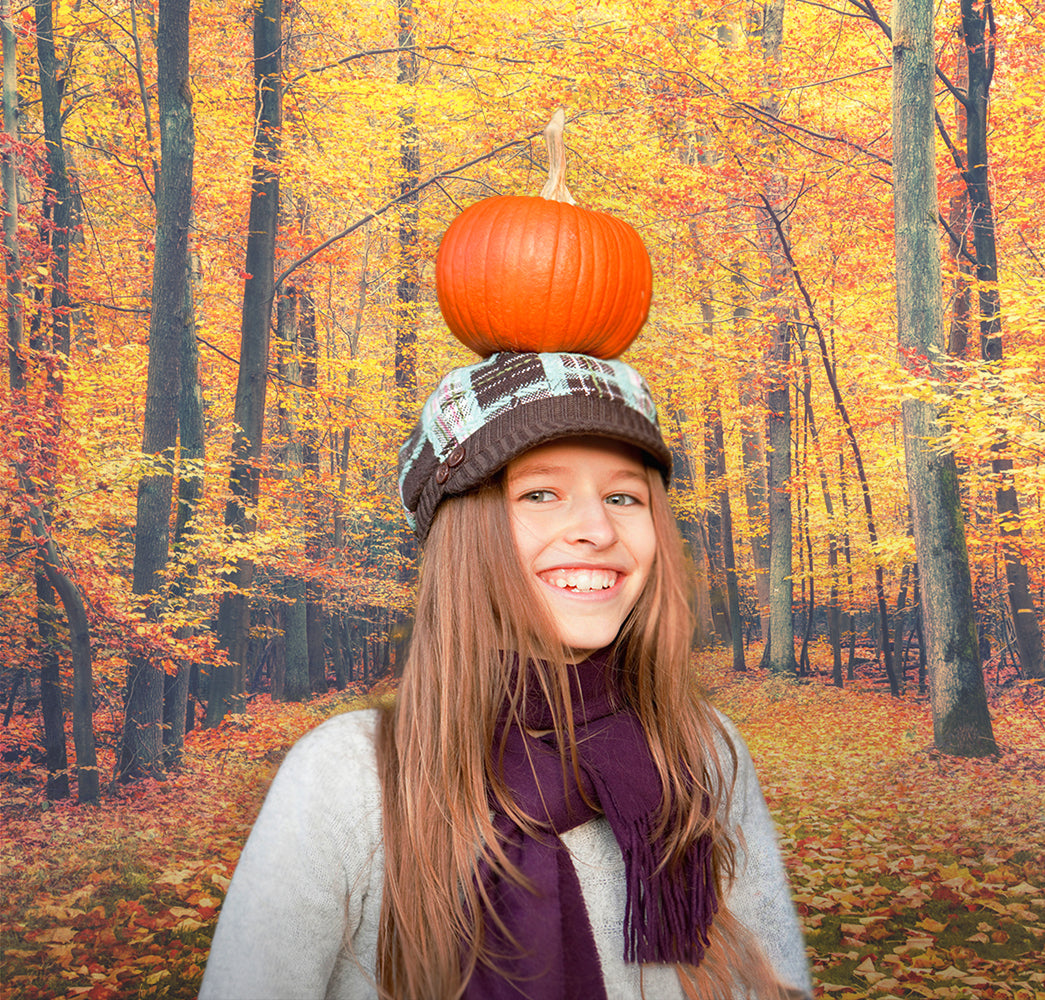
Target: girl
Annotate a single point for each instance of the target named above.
(550, 810)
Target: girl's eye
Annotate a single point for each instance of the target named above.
(538, 496)
(621, 500)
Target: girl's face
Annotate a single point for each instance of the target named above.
(580, 515)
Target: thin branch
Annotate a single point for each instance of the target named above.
(867, 8)
(956, 240)
(961, 97)
(837, 79)
(146, 107)
(311, 71)
(98, 304)
(271, 372)
(757, 112)
(370, 216)
(1037, 259)
(954, 151)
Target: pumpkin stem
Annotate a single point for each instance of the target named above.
(555, 187)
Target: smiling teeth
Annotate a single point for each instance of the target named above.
(581, 580)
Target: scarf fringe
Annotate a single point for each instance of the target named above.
(668, 914)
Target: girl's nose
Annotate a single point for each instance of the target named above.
(590, 522)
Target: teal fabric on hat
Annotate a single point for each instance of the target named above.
(481, 416)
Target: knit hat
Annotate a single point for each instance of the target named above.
(480, 417)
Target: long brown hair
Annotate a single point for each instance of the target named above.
(438, 764)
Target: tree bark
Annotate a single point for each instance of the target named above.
(52, 710)
(834, 611)
(753, 457)
(190, 494)
(779, 652)
(408, 283)
(227, 680)
(296, 685)
(958, 239)
(56, 187)
(961, 721)
(691, 532)
(728, 554)
(142, 750)
(12, 256)
(58, 206)
(978, 31)
(781, 657)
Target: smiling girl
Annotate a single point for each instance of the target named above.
(550, 810)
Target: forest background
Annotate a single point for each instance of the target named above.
(198, 469)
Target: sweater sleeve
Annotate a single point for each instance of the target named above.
(302, 883)
(761, 895)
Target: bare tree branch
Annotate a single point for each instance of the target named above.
(312, 70)
(370, 216)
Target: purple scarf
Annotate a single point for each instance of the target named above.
(667, 914)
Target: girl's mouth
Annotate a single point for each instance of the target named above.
(580, 580)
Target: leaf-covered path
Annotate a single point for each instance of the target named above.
(916, 875)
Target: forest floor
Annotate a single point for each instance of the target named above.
(915, 874)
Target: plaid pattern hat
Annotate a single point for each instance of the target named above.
(480, 417)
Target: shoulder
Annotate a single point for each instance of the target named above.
(332, 769)
(350, 734)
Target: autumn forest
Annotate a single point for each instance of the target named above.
(220, 229)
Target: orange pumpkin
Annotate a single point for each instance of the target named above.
(521, 273)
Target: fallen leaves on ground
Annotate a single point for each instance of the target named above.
(916, 875)
(120, 900)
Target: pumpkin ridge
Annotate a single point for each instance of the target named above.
(626, 285)
(443, 276)
(610, 279)
(587, 277)
(554, 210)
(569, 273)
(462, 275)
(491, 303)
(634, 278)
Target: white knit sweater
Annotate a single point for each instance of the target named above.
(301, 915)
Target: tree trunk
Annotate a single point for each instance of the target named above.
(316, 541)
(728, 554)
(779, 652)
(315, 629)
(408, 283)
(296, 683)
(80, 646)
(227, 681)
(753, 456)
(58, 207)
(834, 611)
(978, 31)
(692, 534)
(56, 756)
(142, 751)
(958, 239)
(781, 589)
(190, 494)
(12, 256)
(961, 721)
(900, 626)
(56, 187)
(719, 601)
